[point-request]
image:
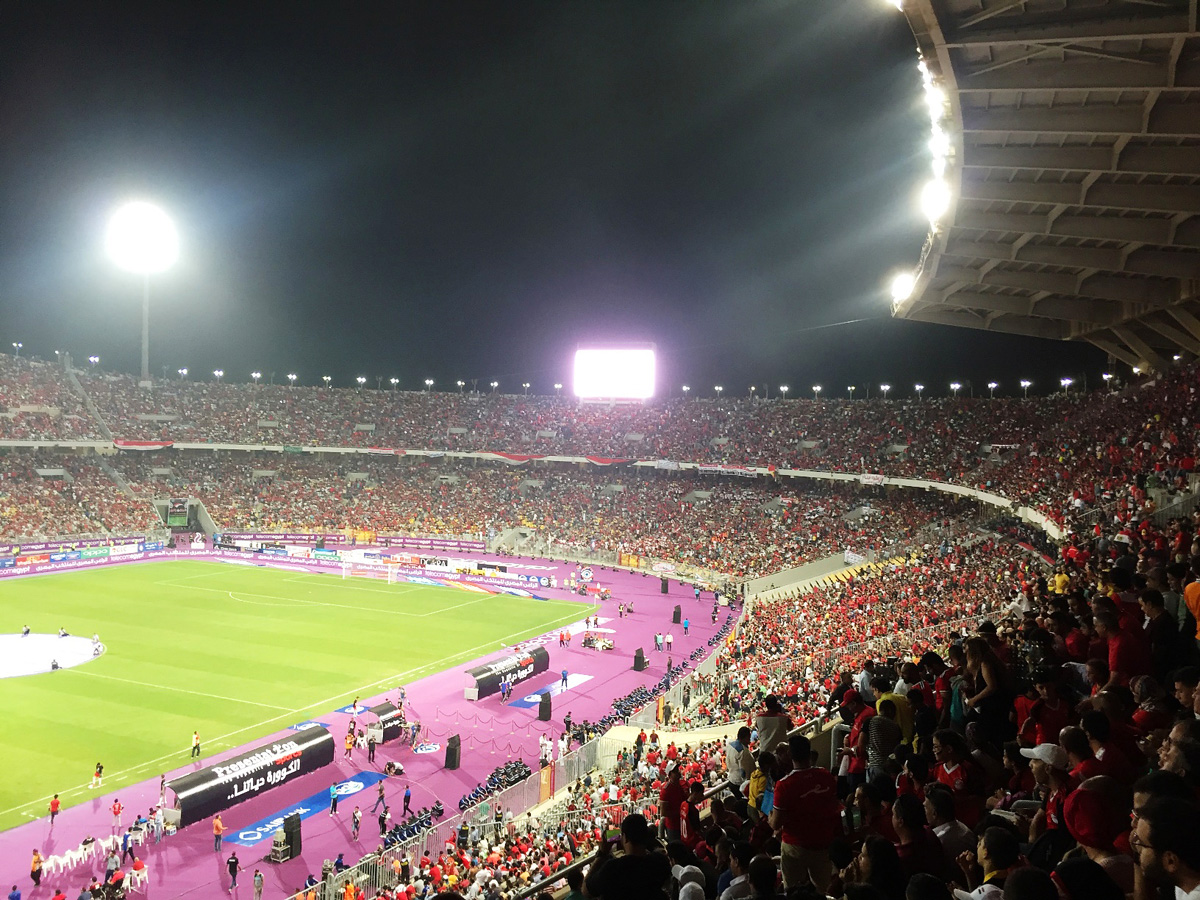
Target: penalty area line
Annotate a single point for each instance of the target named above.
(163, 687)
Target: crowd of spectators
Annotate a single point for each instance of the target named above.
(34, 507)
(36, 403)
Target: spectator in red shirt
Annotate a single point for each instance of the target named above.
(855, 749)
(957, 771)
(671, 799)
(807, 818)
(1128, 654)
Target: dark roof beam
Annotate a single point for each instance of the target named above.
(1040, 328)
(1168, 119)
(1180, 339)
(1180, 264)
(1140, 347)
(1112, 348)
(1099, 228)
(1084, 28)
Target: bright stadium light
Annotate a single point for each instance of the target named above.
(326, 379)
(461, 384)
(686, 388)
(918, 388)
(256, 376)
(992, 388)
(850, 390)
(885, 388)
(955, 387)
(291, 377)
(17, 345)
(783, 389)
(182, 374)
(816, 392)
(935, 200)
(557, 387)
(1107, 376)
(1066, 383)
(1026, 384)
(94, 360)
(218, 374)
(361, 379)
(902, 286)
(495, 384)
(718, 389)
(429, 384)
(141, 238)
(395, 381)
(525, 385)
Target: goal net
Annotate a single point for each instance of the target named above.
(364, 570)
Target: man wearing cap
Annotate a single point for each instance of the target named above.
(855, 752)
(1051, 770)
(691, 882)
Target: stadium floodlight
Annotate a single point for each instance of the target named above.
(935, 200)
(182, 374)
(495, 384)
(718, 389)
(1025, 386)
(955, 387)
(291, 377)
(557, 387)
(393, 382)
(918, 388)
(218, 374)
(1107, 376)
(850, 389)
(902, 286)
(884, 388)
(94, 360)
(256, 376)
(686, 388)
(461, 384)
(326, 379)
(429, 384)
(17, 345)
(783, 389)
(1137, 370)
(899, 4)
(361, 379)
(525, 385)
(992, 385)
(141, 238)
(1177, 357)
(816, 392)
(1066, 383)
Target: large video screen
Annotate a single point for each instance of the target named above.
(615, 373)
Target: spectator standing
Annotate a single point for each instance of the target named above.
(807, 819)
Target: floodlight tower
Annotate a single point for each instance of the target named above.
(1026, 384)
(142, 239)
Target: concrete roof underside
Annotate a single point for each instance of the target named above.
(1075, 127)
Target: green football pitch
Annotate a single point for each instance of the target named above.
(235, 652)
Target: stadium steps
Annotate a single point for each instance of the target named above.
(77, 387)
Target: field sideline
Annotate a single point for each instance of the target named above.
(236, 652)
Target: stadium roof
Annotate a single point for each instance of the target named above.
(1074, 168)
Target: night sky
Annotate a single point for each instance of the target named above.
(468, 190)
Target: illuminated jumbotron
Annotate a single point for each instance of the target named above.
(1065, 202)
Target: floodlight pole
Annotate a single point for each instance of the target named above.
(146, 326)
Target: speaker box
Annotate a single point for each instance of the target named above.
(453, 752)
(663, 586)
(677, 616)
(544, 709)
(291, 830)
(639, 661)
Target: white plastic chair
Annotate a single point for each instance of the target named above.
(52, 863)
(73, 858)
(138, 880)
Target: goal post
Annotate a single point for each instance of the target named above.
(369, 570)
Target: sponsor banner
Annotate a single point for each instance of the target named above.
(15, 549)
(668, 465)
(514, 668)
(33, 560)
(534, 698)
(148, 546)
(630, 559)
(867, 478)
(586, 574)
(142, 445)
(663, 567)
(93, 553)
(300, 726)
(1006, 446)
(414, 543)
(70, 554)
(123, 549)
(741, 471)
(608, 461)
(513, 459)
(7, 563)
(319, 553)
(265, 829)
(212, 789)
(850, 558)
(291, 448)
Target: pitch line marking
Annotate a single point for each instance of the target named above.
(442, 664)
(163, 687)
